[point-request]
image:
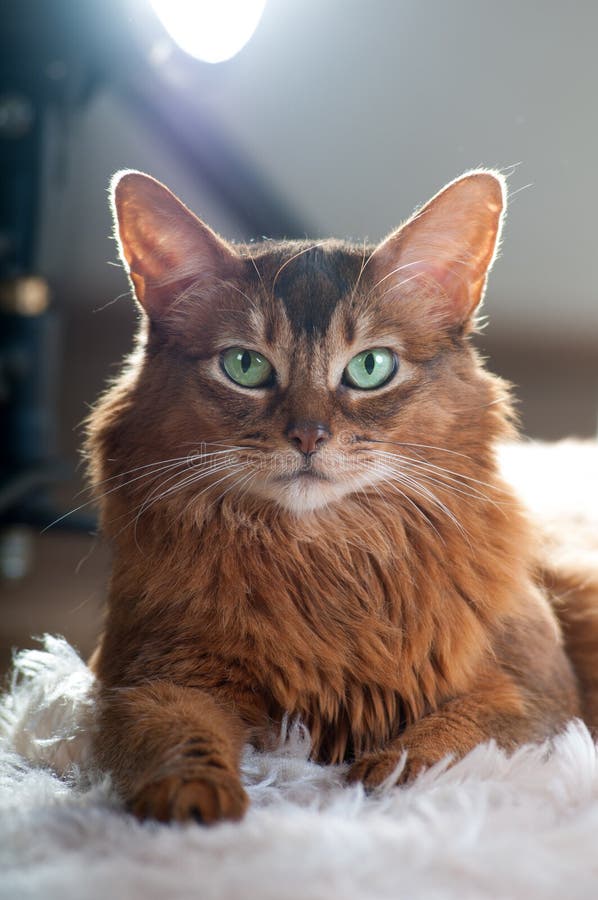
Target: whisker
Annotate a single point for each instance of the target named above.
(198, 474)
(374, 486)
(165, 462)
(364, 263)
(408, 481)
(259, 274)
(107, 493)
(448, 474)
(177, 488)
(422, 446)
(292, 258)
(472, 494)
(415, 262)
(220, 480)
(188, 459)
(391, 484)
(243, 480)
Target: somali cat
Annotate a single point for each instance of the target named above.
(297, 474)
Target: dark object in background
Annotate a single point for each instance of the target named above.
(52, 58)
(43, 72)
(28, 378)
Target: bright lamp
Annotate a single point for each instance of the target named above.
(210, 30)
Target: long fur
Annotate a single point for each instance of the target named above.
(394, 602)
(491, 826)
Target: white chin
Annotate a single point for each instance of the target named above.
(302, 495)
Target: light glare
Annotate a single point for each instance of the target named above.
(210, 30)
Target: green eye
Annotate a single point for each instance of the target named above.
(246, 367)
(370, 369)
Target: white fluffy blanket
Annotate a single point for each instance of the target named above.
(491, 827)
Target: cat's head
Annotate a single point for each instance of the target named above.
(300, 372)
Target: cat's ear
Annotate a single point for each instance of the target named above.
(449, 245)
(165, 248)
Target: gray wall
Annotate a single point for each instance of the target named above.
(357, 111)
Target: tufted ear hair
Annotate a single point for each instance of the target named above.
(449, 245)
(165, 248)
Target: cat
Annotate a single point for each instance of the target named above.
(297, 474)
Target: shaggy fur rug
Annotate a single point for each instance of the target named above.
(491, 827)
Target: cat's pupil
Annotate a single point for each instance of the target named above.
(246, 360)
(369, 363)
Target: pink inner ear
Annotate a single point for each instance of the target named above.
(451, 280)
(448, 246)
(460, 290)
(165, 246)
(157, 246)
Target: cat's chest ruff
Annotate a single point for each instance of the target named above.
(319, 625)
(353, 628)
(322, 647)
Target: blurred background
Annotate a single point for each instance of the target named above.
(338, 117)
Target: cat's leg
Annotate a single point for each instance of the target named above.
(575, 596)
(569, 570)
(499, 707)
(453, 730)
(173, 752)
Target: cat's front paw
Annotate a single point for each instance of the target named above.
(373, 769)
(212, 796)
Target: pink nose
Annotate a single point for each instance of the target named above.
(307, 436)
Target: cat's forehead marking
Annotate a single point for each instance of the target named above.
(311, 284)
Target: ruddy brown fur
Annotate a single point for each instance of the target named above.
(383, 589)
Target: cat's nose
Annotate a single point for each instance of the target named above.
(307, 437)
